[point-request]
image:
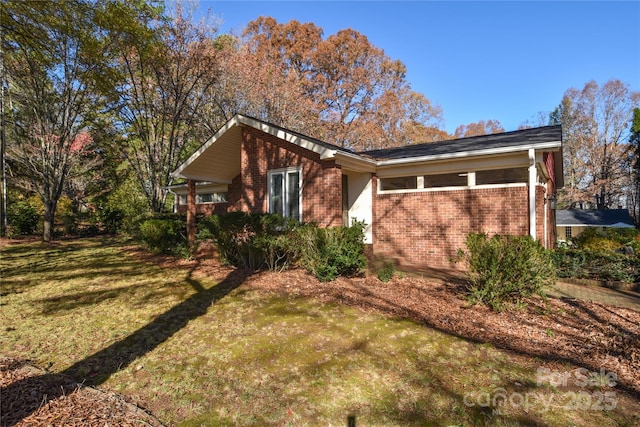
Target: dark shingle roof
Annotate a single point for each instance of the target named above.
(470, 144)
(599, 218)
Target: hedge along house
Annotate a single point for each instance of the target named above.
(418, 202)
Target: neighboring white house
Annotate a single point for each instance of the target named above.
(570, 223)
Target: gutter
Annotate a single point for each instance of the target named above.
(467, 154)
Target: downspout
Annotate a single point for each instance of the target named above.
(533, 178)
(546, 218)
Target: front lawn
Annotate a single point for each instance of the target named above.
(196, 344)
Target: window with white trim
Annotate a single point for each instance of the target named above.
(567, 233)
(502, 176)
(445, 180)
(211, 198)
(285, 192)
(204, 198)
(399, 183)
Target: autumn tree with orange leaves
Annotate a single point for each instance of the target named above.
(478, 128)
(360, 98)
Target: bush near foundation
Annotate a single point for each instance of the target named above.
(269, 241)
(505, 269)
(250, 240)
(331, 252)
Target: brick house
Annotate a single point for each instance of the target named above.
(419, 202)
(571, 223)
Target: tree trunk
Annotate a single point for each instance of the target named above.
(49, 212)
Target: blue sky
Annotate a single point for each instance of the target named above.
(479, 60)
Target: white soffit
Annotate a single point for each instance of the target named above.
(218, 159)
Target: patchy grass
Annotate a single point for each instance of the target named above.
(205, 350)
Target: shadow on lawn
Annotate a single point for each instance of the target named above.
(97, 368)
(365, 298)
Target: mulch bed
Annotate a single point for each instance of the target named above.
(25, 386)
(591, 335)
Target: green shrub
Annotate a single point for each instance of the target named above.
(252, 241)
(597, 265)
(331, 252)
(505, 269)
(610, 239)
(23, 217)
(275, 242)
(111, 218)
(387, 272)
(570, 263)
(165, 235)
(129, 199)
(66, 215)
(256, 241)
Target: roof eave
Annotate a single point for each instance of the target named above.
(285, 135)
(354, 162)
(549, 146)
(239, 120)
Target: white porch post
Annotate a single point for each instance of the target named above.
(191, 211)
(533, 179)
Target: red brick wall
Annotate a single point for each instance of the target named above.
(427, 228)
(321, 180)
(262, 152)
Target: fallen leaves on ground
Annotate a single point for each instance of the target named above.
(588, 334)
(75, 405)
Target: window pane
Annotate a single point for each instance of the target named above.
(400, 183)
(445, 180)
(502, 176)
(276, 193)
(293, 195)
(211, 198)
(204, 198)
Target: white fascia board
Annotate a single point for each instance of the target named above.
(208, 178)
(468, 164)
(200, 187)
(468, 154)
(298, 140)
(354, 162)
